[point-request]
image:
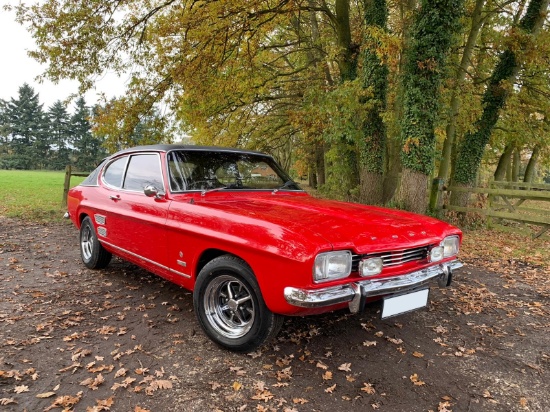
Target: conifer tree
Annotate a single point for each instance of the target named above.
(29, 146)
(59, 136)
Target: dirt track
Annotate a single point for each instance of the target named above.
(122, 339)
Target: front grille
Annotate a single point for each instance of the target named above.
(393, 258)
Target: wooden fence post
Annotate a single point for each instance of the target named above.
(490, 201)
(66, 185)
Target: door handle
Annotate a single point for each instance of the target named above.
(115, 198)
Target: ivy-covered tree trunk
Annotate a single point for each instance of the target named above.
(472, 147)
(434, 27)
(375, 77)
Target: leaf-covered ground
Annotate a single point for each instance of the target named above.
(122, 339)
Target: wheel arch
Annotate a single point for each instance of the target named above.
(212, 253)
(81, 217)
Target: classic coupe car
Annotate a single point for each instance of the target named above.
(231, 226)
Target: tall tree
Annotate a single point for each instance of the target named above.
(4, 133)
(477, 21)
(88, 148)
(375, 78)
(472, 147)
(59, 136)
(26, 126)
(434, 28)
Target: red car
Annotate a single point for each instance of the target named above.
(233, 227)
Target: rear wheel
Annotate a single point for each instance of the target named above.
(93, 254)
(230, 308)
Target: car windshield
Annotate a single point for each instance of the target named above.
(209, 170)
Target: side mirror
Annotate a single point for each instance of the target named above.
(152, 191)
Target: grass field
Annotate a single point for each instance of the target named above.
(33, 195)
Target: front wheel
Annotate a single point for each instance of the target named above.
(93, 254)
(230, 308)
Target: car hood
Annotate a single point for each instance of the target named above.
(343, 225)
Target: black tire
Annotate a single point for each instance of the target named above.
(230, 307)
(93, 254)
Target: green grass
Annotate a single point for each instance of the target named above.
(33, 195)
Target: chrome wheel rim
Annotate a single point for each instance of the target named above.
(86, 242)
(229, 306)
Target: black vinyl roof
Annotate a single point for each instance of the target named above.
(169, 147)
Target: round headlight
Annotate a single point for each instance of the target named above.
(436, 254)
(371, 267)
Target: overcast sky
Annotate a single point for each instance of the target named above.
(17, 67)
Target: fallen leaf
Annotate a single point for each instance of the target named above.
(345, 367)
(444, 407)
(321, 365)
(330, 389)
(66, 402)
(237, 386)
(45, 395)
(7, 401)
(368, 388)
(327, 375)
(418, 355)
(415, 380)
(120, 372)
(21, 389)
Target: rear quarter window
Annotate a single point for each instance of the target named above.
(114, 172)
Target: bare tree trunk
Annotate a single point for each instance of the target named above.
(412, 191)
(312, 177)
(320, 163)
(530, 170)
(393, 168)
(371, 187)
(503, 162)
(516, 163)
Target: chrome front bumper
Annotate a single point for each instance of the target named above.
(356, 292)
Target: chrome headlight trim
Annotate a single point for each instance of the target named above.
(451, 246)
(331, 266)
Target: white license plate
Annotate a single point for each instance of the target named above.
(396, 305)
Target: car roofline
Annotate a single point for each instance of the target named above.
(171, 147)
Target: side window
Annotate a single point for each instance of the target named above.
(115, 172)
(180, 171)
(143, 170)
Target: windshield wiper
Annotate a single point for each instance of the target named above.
(215, 189)
(287, 184)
